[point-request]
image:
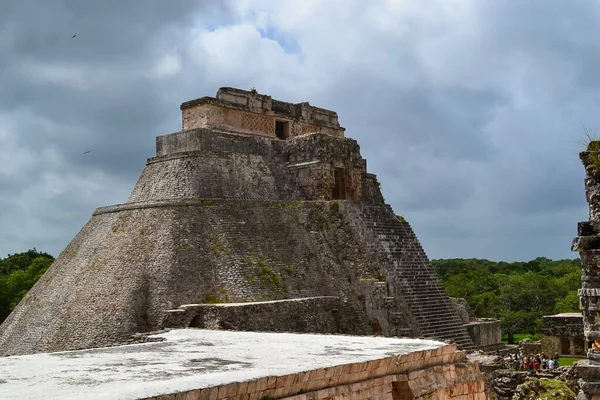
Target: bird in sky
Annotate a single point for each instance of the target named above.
(73, 37)
(86, 152)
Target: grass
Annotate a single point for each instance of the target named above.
(550, 389)
(568, 361)
(520, 336)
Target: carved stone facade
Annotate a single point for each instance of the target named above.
(246, 112)
(587, 243)
(563, 334)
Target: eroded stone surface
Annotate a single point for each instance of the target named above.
(189, 359)
(588, 246)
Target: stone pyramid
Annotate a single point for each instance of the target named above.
(258, 215)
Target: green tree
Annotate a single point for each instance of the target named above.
(517, 293)
(20, 272)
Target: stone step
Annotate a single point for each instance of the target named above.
(414, 277)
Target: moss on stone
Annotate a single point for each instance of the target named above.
(544, 388)
(211, 298)
(122, 221)
(186, 247)
(291, 204)
(372, 277)
(217, 245)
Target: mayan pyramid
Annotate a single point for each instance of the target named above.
(258, 215)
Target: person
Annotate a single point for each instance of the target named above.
(550, 363)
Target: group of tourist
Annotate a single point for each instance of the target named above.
(531, 362)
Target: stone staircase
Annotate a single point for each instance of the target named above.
(413, 276)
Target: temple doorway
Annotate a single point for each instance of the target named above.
(339, 184)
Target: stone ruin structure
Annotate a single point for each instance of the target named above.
(195, 364)
(258, 215)
(587, 243)
(563, 334)
(486, 333)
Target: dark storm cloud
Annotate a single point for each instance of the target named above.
(98, 87)
(62, 96)
(468, 111)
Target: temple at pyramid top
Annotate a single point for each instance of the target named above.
(247, 112)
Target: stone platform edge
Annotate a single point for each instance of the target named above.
(204, 202)
(441, 373)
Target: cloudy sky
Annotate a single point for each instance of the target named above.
(469, 111)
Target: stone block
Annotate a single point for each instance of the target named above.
(227, 390)
(252, 386)
(242, 388)
(194, 395)
(285, 380)
(333, 381)
(262, 384)
(280, 392)
(166, 397)
(355, 368)
(213, 393)
(203, 394)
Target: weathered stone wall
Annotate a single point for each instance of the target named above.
(532, 348)
(463, 310)
(587, 243)
(440, 374)
(306, 315)
(569, 325)
(378, 304)
(371, 190)
(203, 163)
(243, 112)
(130, 264)
(563, 334)
(486, 334)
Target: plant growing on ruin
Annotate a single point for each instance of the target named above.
(211, 298)
(253, 91)
(374, 277)
(186, 247)
(292, 204)
(591, 143)
(217, 245)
